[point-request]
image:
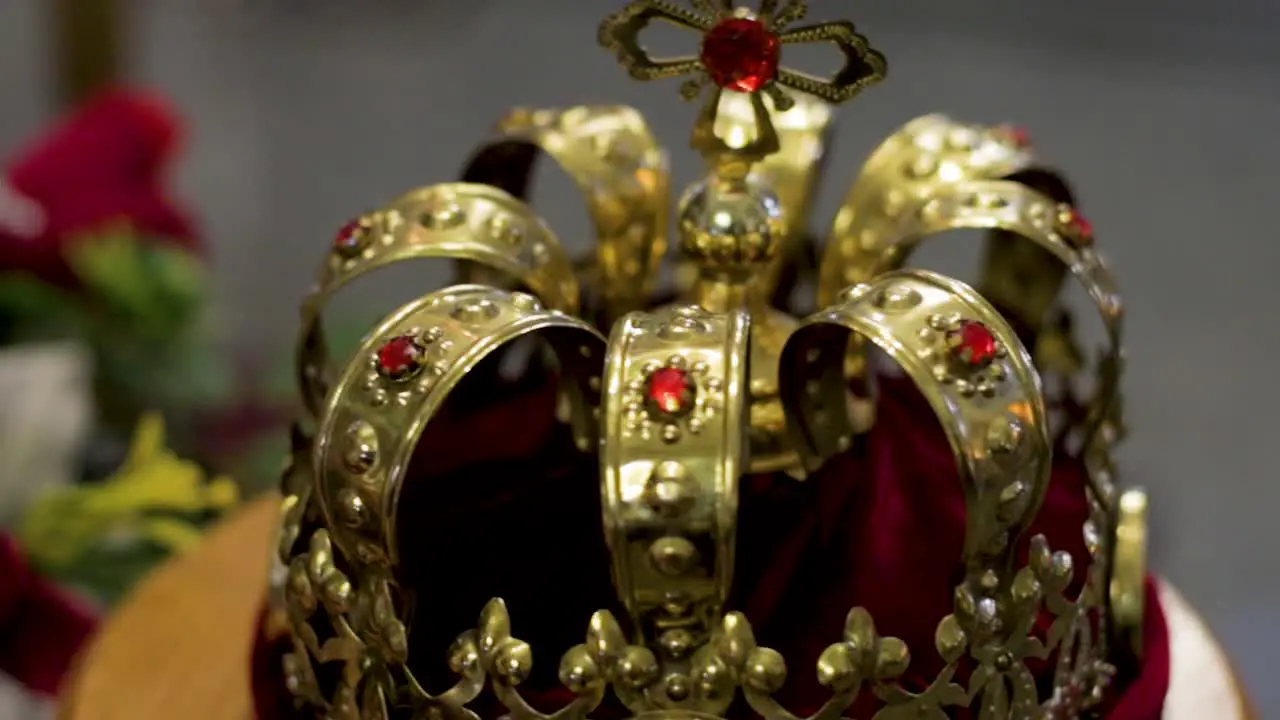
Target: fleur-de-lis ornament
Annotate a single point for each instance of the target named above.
(741, 51)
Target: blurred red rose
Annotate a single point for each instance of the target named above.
(102, 168)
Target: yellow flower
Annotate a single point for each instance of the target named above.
(67, 522)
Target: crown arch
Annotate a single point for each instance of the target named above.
(462, 221)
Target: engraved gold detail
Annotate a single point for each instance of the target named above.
(862, 66)
(906, 169)
(613, 158)
(477, 223)
(1017, 209)
(686, 398)
(687, 498)
(377, 421)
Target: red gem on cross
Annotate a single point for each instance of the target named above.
(741, 54)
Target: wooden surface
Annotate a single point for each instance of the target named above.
(180, 646)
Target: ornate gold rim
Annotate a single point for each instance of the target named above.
(463, 221)
(673, 448)
(1019, 210)
(986, 394)
(622, 171)
(401, 376)
(979, 379)
(991, 407)
(926, 153)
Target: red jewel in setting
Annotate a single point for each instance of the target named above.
(1077, 229)
(972, 344)
(669, 391)
(400, 357)
(741, 54)
(1016, 136)
(351, 238)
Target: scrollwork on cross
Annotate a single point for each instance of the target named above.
(741, 52)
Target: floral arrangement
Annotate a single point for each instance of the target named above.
(93, 247)
(102, 537)
(95, 250)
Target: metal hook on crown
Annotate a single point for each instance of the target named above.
(731, 223)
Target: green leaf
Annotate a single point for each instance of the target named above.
(32, 310)
(144, 287)
(147, 298)
(108, 572)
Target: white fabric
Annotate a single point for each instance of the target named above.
(20, 215)
(1201, 683)
(44, 419)
(18, 704)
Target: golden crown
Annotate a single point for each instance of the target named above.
(680, 402)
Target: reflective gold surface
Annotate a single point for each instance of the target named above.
(794, 171)
(613, 158)
(1018, 211)
(922, 157)
(690, 396)
(670, 478)
(461, 221)
(371, 421)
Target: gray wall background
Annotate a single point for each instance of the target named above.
(1164, 113)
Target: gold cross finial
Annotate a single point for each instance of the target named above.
(741, 52)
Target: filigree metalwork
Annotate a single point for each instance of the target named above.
(862, 67)
(685, 398)
(355, 625)
(587, 670)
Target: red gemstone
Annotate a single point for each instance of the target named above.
(400, 357)
(1017, 136)
(350, 238)
(973, 344)
(669, 391)
(1079, 229)
(741, 54)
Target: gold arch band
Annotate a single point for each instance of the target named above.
(989, 402)
(672, 452)
(925, 154)
(979, 379)
(400, 377)
(1022, 212)
(1127, 575)
(613, 158)
(1053, 227)
(461, 221)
